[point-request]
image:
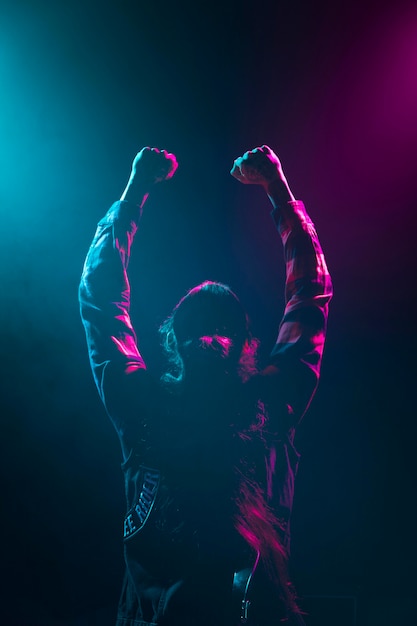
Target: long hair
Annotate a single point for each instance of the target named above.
(208, 307)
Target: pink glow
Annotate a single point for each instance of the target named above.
(217, 342)
(257, 525)
(127, 346)
(270, 470)
(383, 113)
(366, 115)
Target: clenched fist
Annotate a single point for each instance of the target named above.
(150, 166)
(260, 166)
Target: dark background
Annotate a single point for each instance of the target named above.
(332, 88)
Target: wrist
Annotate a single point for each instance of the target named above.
(279, 192)
(135, 192)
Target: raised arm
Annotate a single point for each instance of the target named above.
(296, 357)
(104, 291)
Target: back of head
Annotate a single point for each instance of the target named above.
(210, 308)
(208, 321)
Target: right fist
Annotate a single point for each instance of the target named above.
(152, 165)
(260, 166)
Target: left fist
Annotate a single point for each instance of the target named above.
(260, 166)
(152, 165)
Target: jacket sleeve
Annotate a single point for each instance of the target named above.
(118, 368)
(297, 355)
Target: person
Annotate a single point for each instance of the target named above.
(208, 449)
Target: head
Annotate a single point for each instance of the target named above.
(207, 335)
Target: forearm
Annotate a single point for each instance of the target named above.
(307, 278)
(299, 347)
(135, 192)
(279, 192)
(105, 292)
(104, 278)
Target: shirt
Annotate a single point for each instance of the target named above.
(188, 461)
